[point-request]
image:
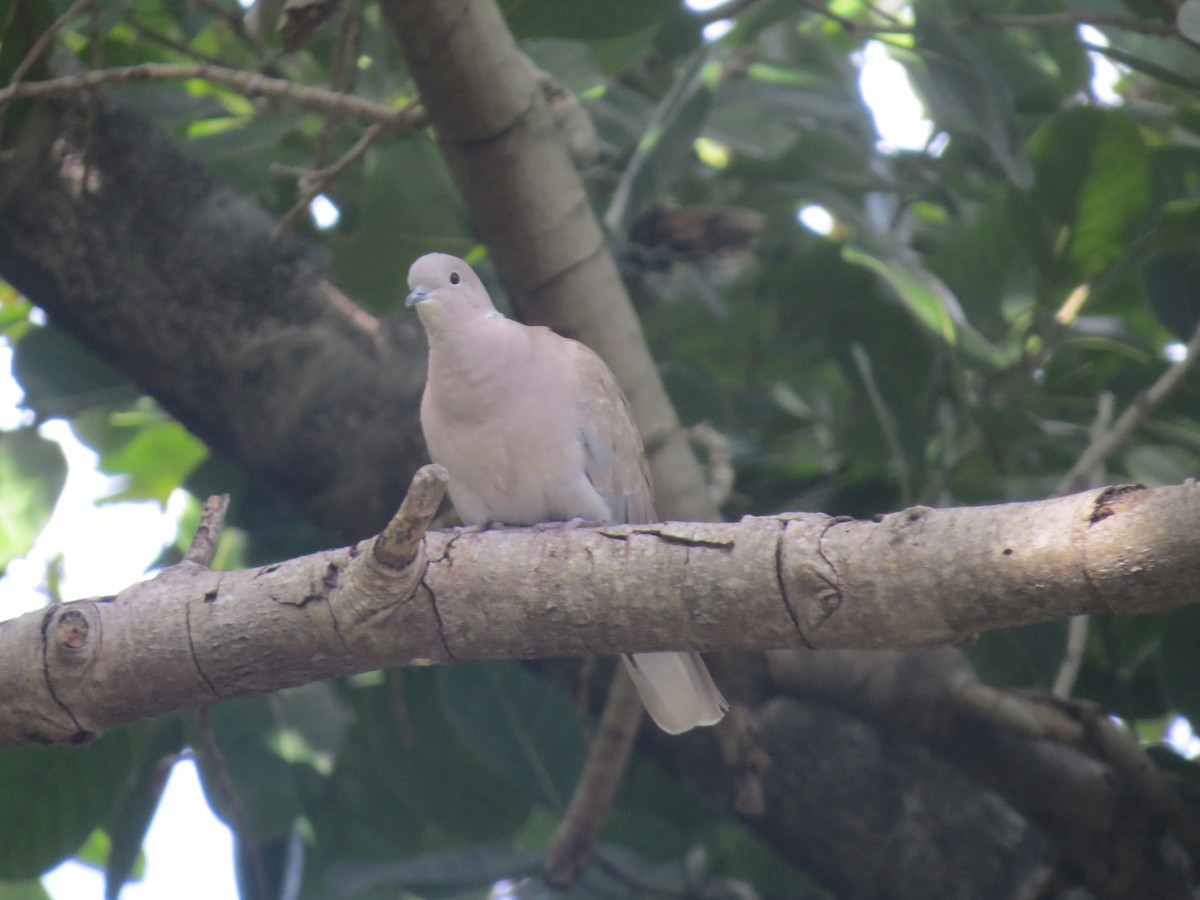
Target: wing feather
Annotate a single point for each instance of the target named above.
(614, 459)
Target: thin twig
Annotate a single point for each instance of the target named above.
(169, 43)
(319, 177)
(1072, 660)
(343, 74)
(727, 10)
(249, 83)
(1077, 628)
(885, 419)
(238, 820)
(1139, 408)
(1104, 443)
(312, 183)
(571, 846)
(45, 39)
(231, 18)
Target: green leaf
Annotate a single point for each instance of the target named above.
(964, 92)
(32, 473)
(1020, 657)
(930, 302)
(1156, 465)
(441, 874)
(401, 205)
(21, 24)
(570, 62)
(23, 890)
(61, 377)
(313, 720)
(162, 738)
(1092, 185)
(1169, 280)
(95, 849)
(405, 782)
(735, 852)
(265, 787)
(55, 796)
(154, 463)
(518, 724)
(1179, 664)
(664, 146)
(583, 21)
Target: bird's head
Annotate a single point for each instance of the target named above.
(444, 289)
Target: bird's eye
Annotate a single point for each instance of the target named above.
(454, 279)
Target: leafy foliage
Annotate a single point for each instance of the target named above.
(945, 343)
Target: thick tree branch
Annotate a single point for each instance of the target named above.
(917, 578)
(1066, 767)
(175, 279)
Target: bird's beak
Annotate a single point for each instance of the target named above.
(416, 296)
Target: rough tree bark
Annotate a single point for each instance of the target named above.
(920, 578)
(172, 277)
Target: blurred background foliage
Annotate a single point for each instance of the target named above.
(948, 328)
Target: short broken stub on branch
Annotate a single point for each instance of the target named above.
(190, 636)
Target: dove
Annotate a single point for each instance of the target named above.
(533, 428)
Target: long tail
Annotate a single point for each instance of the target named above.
(678, 691)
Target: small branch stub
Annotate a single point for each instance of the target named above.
(212, 520)
(392, 567)
(398, 543)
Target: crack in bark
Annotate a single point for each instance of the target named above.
(82, 735)
(830, 602)
(519, 121)
(437, 614)
(667, 537)
(1101, 508)
(781, 581)
(192, 652)
(599, 248)
(1080, 539)
(337, 628)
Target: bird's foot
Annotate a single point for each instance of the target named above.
(460, 530)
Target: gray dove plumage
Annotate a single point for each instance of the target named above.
(533, 428)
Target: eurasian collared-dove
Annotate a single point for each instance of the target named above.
(533, 428)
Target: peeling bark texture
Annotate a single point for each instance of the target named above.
(918, 578)
(528, 205)
(170, 276)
